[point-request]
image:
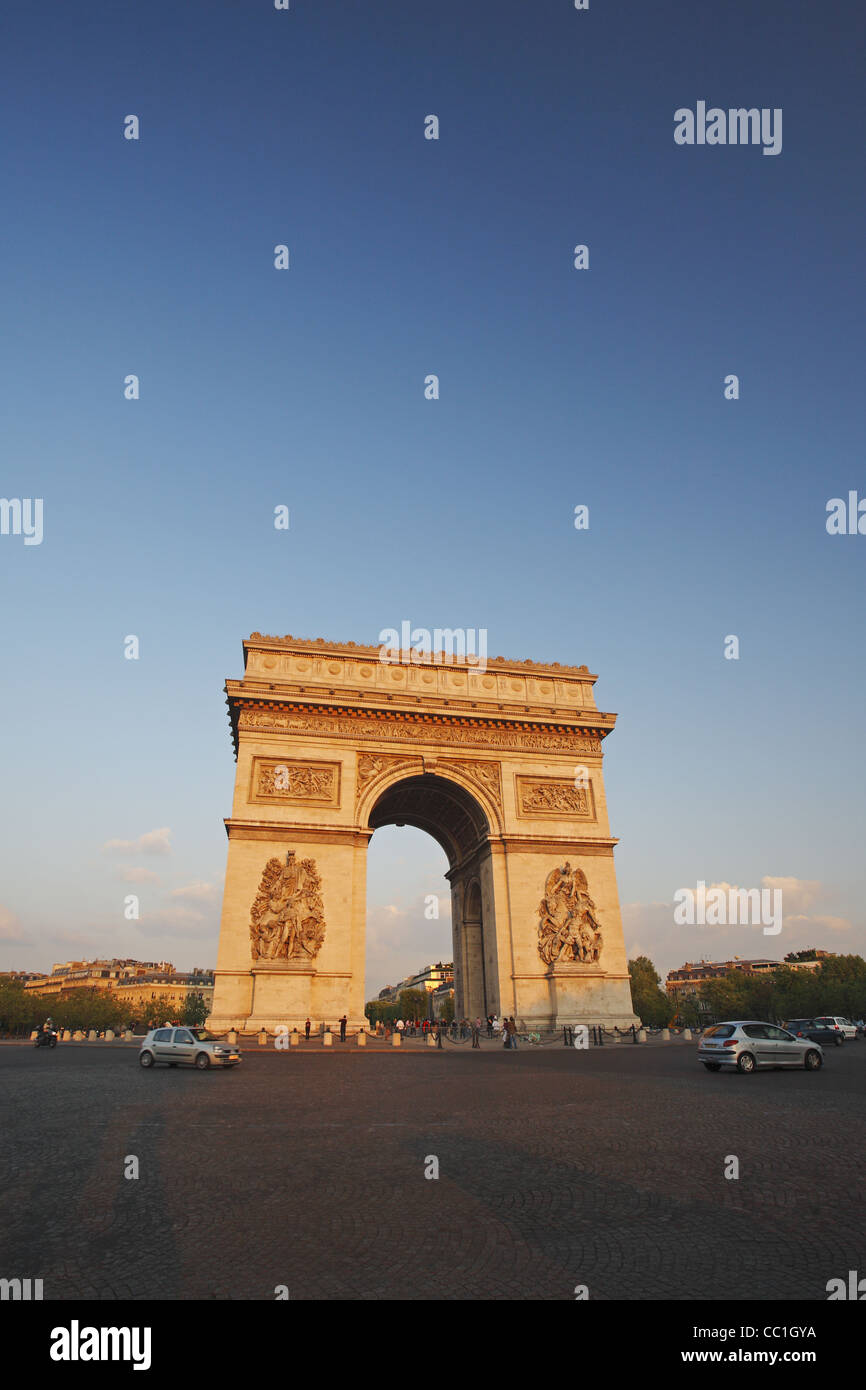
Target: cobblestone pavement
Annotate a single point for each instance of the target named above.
(556, 1168)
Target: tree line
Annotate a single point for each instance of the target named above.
(23, 1010)
(411, 1003)
(836, 986)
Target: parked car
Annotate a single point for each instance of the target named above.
(845, 1026)
(746, 1044)
(194, 1047)
(817, 1030)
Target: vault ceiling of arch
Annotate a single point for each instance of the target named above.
(443, 809)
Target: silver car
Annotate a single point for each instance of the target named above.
(747, 1044)
(194, 1047)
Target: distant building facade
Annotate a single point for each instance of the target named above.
(430, 979)
(134, 982)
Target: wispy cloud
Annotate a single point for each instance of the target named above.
(138, 875)
(11, 930)
(197, 892)
(152, 842)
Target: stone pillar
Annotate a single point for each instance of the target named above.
(474, 993)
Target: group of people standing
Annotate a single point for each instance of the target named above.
(457, 1031)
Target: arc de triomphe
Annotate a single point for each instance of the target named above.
(501, 763)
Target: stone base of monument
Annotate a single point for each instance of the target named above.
(570, 993)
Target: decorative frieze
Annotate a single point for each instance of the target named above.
(407, 730)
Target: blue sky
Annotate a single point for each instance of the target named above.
(305, 387)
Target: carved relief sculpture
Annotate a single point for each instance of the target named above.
(568, 929)
(484, 773)
(287, 919)
(274, 779)
(554, 797)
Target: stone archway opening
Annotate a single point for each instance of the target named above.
(456, 820)
(408, 911)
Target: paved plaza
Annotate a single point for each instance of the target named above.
(306, 1169)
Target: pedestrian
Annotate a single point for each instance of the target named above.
(439, 1035)
(343, 1022)
(400, 1025)
(476, 1032)
(307, 1027)
(512, 1032)
(490, 1025)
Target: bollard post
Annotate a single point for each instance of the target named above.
(616, 1034)
(396, 1038)
(687, 1034)
(34, 1035)
(91, 1036)
(109, 1035)
(67, 1035)
(362, 1038)
(328, 1040)
(641, 1037)
(263, 1037)
(294, 1040)
(601, 1035)
(232, 1038)
(431, 1041)
(666, 1035)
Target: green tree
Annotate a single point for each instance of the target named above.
(650, 1002)
(17, 1009)
(413, 1003)
(841, 984)
(377, 1010)
(194, 1010)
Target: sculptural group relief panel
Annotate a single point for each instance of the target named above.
(569, 931)
(555, 797)
(287, 917)
(288, 780)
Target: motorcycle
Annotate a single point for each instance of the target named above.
(46, 1040)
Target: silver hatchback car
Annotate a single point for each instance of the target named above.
(748, 1044)
(194, 1047)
